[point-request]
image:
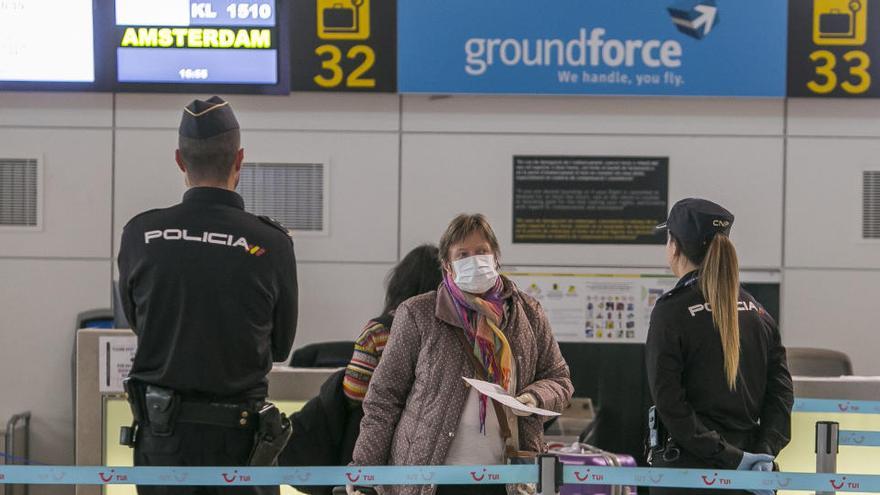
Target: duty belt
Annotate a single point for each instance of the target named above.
(240, 416)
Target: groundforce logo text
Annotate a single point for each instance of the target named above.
(206, 237)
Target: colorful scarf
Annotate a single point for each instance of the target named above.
(481, 317)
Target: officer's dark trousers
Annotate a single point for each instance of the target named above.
(198, 445)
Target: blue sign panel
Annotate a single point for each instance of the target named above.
(603, 47)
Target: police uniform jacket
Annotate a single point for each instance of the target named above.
(211, 292)
(686, 375)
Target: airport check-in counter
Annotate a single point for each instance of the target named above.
(800, 454)
(100, 414)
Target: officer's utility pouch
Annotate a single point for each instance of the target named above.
(162, 406)
(134, 394)
(659, 442)
(272, 436)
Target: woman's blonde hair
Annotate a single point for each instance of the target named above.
(719, 283)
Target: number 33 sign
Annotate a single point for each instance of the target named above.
(344, 45)
(834, 48)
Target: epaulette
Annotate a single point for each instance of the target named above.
(276, 225)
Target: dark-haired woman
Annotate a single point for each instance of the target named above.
(716, 365)
(417, 273)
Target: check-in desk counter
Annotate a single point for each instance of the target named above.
(100, 414)
(800, 455)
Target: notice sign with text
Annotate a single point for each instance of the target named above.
(115, 358)
(589, 199)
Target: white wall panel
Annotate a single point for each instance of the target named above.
(300, 111)
(833, 117)
(41, 299)
(76, 186)
(337, 299)
(363, 185)
(585, 115)
(363, 190)
(447, 174)
(833, 309)
(56, 109)
(824, 203)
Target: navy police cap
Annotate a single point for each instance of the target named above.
(695, 222)
(204, 119)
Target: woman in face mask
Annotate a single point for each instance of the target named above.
(477, 324)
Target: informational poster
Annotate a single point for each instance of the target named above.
(596, 306)
(603, 47)
(610, 305)
(834, 48)
(45, 41)
(115, 357)
(589, 199)
(344, 45)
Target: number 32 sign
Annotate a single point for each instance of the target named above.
(344, 45)
(834, 48)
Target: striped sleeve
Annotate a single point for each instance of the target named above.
(367, 352)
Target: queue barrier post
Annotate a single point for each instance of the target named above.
(827, 448)
(549, 474)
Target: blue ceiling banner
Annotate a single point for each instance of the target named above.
(601, 47)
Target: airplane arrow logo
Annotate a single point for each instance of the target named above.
(695, 18)
(706, 19)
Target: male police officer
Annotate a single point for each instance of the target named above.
(211, 292)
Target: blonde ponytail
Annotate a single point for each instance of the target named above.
(719, 283)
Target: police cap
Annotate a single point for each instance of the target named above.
(208, 118)
(695, 222)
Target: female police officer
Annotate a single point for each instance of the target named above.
(716, 365)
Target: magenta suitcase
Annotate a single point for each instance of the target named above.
(582, 454)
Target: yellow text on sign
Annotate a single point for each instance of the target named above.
(826, 62)
(331, 57)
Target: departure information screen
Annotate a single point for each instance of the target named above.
(43, 41)
(189, 42)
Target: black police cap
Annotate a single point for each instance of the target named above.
(204, 119)
(695, 222)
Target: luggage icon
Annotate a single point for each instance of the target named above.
(840, 22)
(343, 19)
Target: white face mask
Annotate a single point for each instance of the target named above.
(475, 274)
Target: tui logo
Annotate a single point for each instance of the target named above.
(112, 476)
(235, 477)
(484, 475)
(711, 482)
(359, 476)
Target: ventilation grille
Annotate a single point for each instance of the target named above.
(19, 192)
(291, 193)
(871, 204)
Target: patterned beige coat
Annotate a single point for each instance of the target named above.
(415, 398)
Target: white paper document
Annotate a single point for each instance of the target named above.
(497, 393)
(115, 357)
